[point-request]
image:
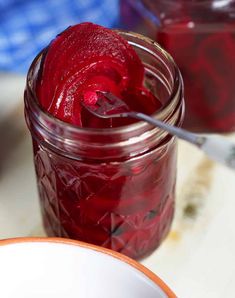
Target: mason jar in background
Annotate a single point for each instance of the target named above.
(200, 35)
(112, 187)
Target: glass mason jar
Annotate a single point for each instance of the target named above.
(111, 187)
(200, 35)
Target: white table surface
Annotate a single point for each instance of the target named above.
(197, 260)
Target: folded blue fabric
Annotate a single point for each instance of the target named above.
(26, 26)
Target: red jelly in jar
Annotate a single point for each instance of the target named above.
(200, 35)
(106, 182)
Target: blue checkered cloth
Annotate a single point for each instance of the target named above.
(27, 26)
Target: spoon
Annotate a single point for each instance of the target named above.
(107, 105)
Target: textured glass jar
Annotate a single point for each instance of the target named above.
(110, 187)
(200, 35)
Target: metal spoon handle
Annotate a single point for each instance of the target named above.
(216, 147)
(220, 149)
(172, 130)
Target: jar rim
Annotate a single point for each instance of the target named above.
(139, 125)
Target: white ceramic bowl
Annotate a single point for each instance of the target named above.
(62, 268)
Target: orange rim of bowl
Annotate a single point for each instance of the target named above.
(153, 277)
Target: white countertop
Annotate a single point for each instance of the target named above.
(197, 260)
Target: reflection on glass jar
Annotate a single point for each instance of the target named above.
(112, 187)
(200, 35)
